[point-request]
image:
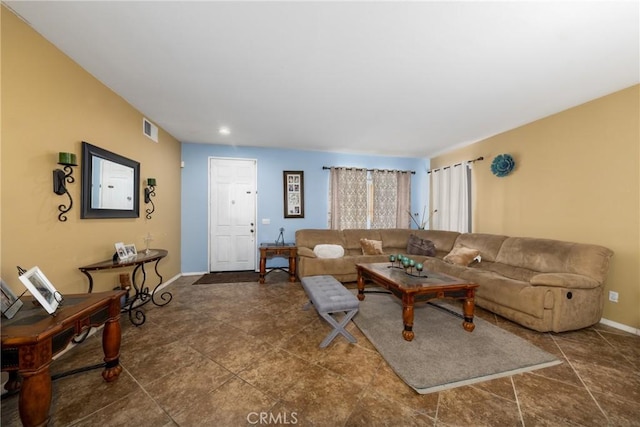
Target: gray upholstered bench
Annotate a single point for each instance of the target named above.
(329, 296)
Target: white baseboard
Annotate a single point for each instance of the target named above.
(170, 281)
(620, 326)
(195, 273)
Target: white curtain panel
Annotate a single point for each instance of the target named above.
(450, 188)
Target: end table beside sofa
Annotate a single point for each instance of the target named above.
(545, 285)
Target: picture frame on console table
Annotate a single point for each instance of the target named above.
(42, 289)
(130, 250)
(10, 302)
(293, 194)
(121, 251)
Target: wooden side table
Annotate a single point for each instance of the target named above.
(271, 250)
(33, 337)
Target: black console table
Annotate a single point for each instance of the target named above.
(142, 293)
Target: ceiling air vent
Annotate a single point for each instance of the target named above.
(150, 129)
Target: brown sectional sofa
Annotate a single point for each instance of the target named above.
(545, 285)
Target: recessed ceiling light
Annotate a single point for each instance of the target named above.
(223, 130)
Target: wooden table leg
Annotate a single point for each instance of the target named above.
(111, 337)
(292, 268)
(407, 317)
(35, 397)
(468, 307)
(263, 266)
(360, 286)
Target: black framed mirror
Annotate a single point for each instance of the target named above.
(110, 184)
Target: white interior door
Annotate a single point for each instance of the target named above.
(232, 214)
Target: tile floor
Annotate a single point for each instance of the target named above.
(246, 354)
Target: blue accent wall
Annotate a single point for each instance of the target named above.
(270, 165)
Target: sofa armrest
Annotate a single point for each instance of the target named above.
(306, 252)
(564, 280)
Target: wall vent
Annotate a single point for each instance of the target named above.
(150, 130)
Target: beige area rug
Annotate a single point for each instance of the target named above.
(443, 355)
(228, 277)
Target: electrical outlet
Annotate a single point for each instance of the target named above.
(613, 296)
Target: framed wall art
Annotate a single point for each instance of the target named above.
(42, 289)
(293, 194)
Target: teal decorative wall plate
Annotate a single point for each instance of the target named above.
(502, 165)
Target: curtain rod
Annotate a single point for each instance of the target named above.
(457, 164)
(368, 170)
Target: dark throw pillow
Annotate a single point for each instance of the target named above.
(419, 246)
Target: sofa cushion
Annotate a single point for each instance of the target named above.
(328, 251)
(371, 247)
(553, 256)
(515, 294)
(564, 280)
(394, 237)
(419, 246)
(461, 255)
(311, 237)
(337, 267)
(488, 244)
(516, 273)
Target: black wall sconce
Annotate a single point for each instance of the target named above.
(149, 192)
(61, 178)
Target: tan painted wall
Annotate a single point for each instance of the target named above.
(50, 104)
(577, 178)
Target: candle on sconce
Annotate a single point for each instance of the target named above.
(67, 159)
(151, 182)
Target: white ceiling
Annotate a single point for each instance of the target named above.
(391, 78)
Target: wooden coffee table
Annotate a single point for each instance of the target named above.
(411, 288)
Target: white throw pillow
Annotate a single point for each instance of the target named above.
(328, 251)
